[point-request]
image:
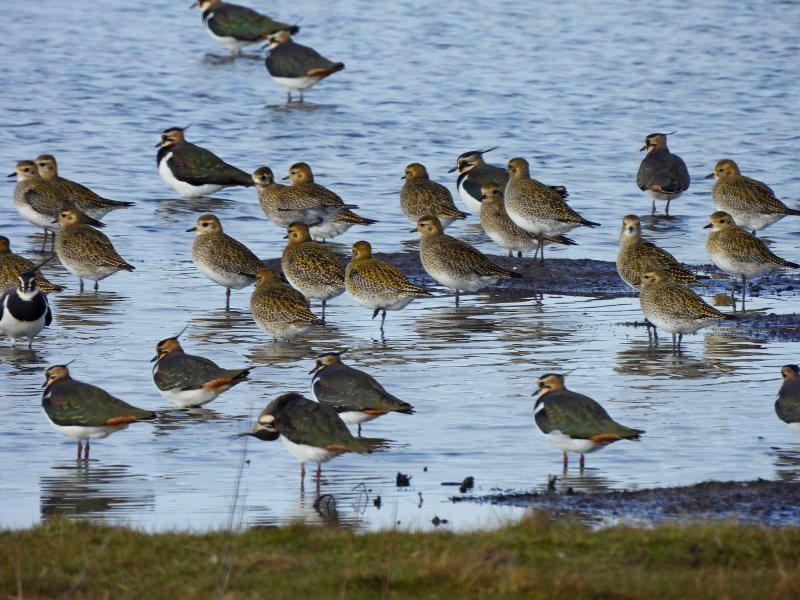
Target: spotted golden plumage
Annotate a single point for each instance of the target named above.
(675, 308)
(13, 265)
(453, 263)
(91, 203)
(421, 196)
(637, 256)
(221, 258)
(378, 285)
(84, 251)
(503, 231)
(279, 309)
(752, 204)
(287, 204)
(310, 267)
(536, 207)
(740, 253)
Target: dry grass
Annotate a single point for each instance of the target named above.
(538, 558)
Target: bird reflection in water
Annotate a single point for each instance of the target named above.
(82, 489)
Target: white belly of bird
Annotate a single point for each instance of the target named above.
(230, 43)
(83, 432)
(315, 291)
(36, 218)
(296, 83)
(305, 453)
(472, 204)
(794, 427)
(737, 268)
(510, 242)
(189, 398)
(456, 281)
(16, 329)
(281, 330)
(329, 229)
(86, 269)
(568, 444)
(186, 190)
(752, 221)
(356, 417)
(313, 217)
(677, 324)
(226, 279)
(538, 225)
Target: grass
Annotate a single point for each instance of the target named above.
(540, 557)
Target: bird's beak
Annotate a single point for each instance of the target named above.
(643, 148)
(193, 5)
(286, 237)
(709, 176)
(284, 178)
(12, 174)
(453, 169)
(412, 230)
(158, 145)
(403, 177)
(709, 226)
(483, 197)
(191, 229)
(55, 220)
(154, 359)
(313, 370)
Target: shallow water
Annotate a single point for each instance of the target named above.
(572, 88)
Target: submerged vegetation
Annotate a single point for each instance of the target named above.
(540, 557)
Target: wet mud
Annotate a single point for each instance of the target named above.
(759, 501)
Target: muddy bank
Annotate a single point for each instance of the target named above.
(596, 278)
(760, 501)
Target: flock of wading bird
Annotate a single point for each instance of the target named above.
(517, 212)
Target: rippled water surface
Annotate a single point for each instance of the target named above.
(574, 87)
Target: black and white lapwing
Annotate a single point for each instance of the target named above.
(662, 174)
(236, 26)
(294, 66)
(83, 411)
(189, 381)
(573, 422)
(24, 310)
(194, 171)
(354, 394)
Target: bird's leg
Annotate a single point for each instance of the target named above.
(666, 209)
(541, 247)
(383, 318)
(674, 339)
(536, 252)
(301, 96)
(653, 209)
(744, 289)
(510, 253)
(519, 253)
(44, 242)
(80, 448)
(456, 298)
(302, 472)
(227, 298)
(86, 450)
(319, 475)
(323, 311)
(582, 462)
(359, 430)
(96, 285)
(81, 280)
(565, 460)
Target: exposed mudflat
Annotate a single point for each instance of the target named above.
(597, 278)
(759, 501)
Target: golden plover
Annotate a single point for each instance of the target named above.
(637, 256)
(310, 267)
(420, 197)
(537, 208)
(13, 265)
(84, 251)
(740, 253)
(751, 203)
(279, 309)
(82, 197)
(224, 260)
(453, 263)
(675, 308)
(503, 231)
(377, 284)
